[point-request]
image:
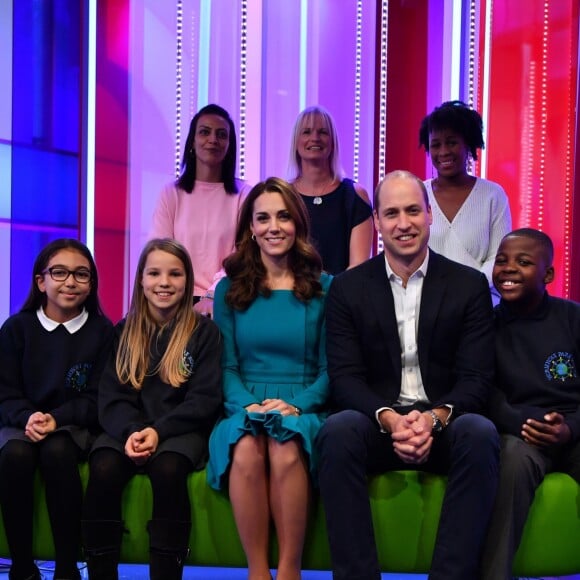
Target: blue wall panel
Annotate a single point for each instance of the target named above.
(46, 134)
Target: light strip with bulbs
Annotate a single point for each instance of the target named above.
(178, 84)
(471, 68)
(382, 137)
(486, 83)
(543, 117)
(357, 90)
(382, 144)
(243, 84)
(471, 64)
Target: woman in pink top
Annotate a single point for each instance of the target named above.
(200, 209)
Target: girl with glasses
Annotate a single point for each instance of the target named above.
(51, 354)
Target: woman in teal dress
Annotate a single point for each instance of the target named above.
(270, 310)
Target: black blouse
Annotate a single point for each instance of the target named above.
(333, 217)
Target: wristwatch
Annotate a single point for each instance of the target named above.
(437, 424)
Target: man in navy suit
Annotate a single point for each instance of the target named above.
(410, 359)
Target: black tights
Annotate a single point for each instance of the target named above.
(110, 471)
(57, 457)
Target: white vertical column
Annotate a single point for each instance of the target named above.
(357, 91)
(456, 49)
(203, 52)
(88, 146)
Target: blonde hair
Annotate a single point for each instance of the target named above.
(133, 356)
(304, 119)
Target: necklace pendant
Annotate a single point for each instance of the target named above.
(317, 200)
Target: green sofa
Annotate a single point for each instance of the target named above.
(550, 546)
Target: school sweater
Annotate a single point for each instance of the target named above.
(54, 371)
(536, 365)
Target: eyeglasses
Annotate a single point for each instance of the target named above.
(60, 274)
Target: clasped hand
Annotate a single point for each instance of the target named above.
(551, 431)
(39, 425)
(411, 436)
(141, 445)
(272, 405)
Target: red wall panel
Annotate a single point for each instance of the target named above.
(532, 120)
(111, 151)
(406, 84)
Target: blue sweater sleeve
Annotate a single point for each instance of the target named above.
(236, 395)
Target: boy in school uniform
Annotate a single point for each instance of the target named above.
(536, 400)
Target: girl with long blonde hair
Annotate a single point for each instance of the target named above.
(158, 399)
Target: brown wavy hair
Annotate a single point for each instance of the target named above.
(132, 362)
(245, 268)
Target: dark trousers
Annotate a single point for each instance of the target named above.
(351, 446)
(523, 468)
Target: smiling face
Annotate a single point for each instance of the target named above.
(163, 281)
(448, 152)
(521, 271)
(211, 141)
(402, 217)
(273, 226)
(64, 299)
(314, 139)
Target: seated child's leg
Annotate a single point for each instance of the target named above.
(522, 469)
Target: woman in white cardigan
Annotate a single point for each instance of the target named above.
(470, 214)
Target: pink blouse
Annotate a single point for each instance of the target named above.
(204, 221)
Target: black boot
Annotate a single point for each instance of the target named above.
(32, 573)
(102, 546)
(168, 541)
(71, 574)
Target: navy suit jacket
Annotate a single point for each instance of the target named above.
(454, 338)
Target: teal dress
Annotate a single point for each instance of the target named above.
(276, 349)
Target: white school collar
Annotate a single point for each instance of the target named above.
(73, 325)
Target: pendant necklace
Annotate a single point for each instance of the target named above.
(317, 199)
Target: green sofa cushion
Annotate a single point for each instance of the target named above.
(409, 498)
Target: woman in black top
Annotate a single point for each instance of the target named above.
(339, 209)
